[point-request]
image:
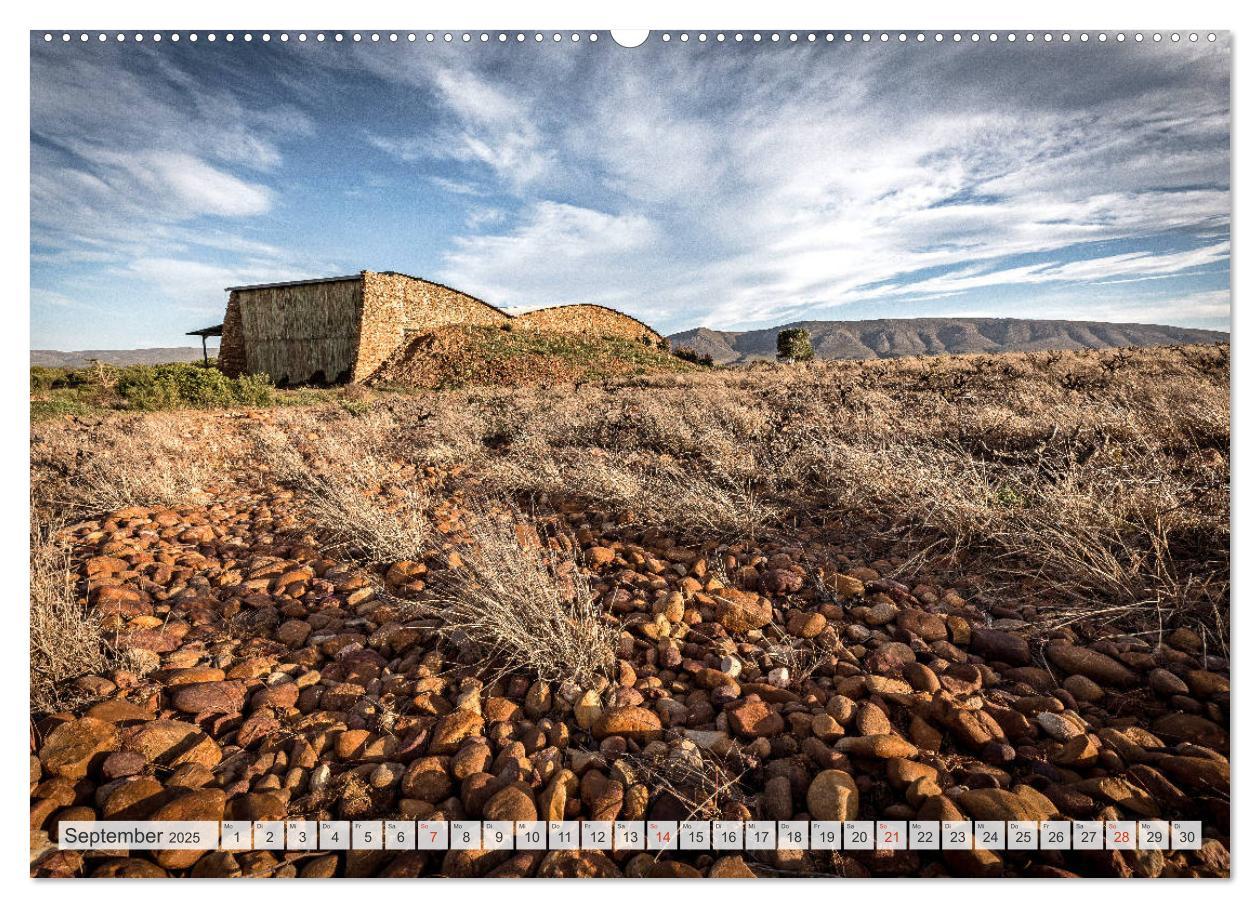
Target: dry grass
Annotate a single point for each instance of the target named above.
(137, 461)
(645, 492)
(517, 604)
(66, 640)
(702, 784)
(1093, 485)
(363, 500)
(361, 511)
(799, 656)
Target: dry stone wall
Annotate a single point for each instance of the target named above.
(594, 321)
(395, 306)
(380, 323)
(428, 305)
(232, 343)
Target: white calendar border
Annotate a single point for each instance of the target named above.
(657, 14)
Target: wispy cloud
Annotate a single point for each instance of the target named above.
(151, 173)
(482, 122)
(590, 257)
(127, 147)
(1204, 309)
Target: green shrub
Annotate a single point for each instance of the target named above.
(46, 378)
(58, 406)
(42, 378)
(795, 346)
(180, 385)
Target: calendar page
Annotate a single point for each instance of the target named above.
(571, 453)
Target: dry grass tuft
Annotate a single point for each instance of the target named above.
(701, 783)
(361, 493)
(801, 657)
(66, 641)
(658, 494)
(362, 510)
(518, 605)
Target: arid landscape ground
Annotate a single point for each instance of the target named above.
(934, 587)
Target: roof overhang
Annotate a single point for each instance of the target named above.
(314, 280)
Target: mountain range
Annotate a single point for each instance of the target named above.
(886, 338)
(145, 356)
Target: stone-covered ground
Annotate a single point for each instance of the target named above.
(270, 675)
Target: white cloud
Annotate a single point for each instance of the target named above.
(44, 298)
(590, 257)
(458, 187)
(197, 287)
(1206, 308)
(407, 149)
(1101, 269)
(205, 189)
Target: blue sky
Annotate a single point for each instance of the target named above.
(728, 185)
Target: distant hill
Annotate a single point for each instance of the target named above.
(886, 338)
(147, 356)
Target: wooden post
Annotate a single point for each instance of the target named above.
(205, 356)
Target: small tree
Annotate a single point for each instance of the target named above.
(794, 345)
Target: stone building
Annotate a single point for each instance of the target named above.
(340, 329)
